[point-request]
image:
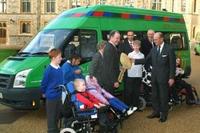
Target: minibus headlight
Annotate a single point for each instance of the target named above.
(20, 79)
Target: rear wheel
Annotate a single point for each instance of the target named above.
(142, 103)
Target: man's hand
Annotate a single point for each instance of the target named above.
(171, 82)
(77, 71)
(132, 60)
(116, 84)
(43, 96)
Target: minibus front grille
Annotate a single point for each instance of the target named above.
(5, 81)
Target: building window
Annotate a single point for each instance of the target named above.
(26, 6)
(25, 27)
(195, 6)
(2, 6)
(183, 5)
(156, 4)
(129, 2)
(50, 5)
(102, 2)
(76, 3)
(2, 32)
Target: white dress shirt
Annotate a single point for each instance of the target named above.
(161, 47)
(135, 70)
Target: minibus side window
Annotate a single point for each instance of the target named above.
(82, 43)
(88, 42)
(176, 40)
(72, 47)
(105, 35)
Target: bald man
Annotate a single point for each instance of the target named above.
(148, 43)
(110, 69)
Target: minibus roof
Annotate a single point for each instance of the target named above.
(107, 17)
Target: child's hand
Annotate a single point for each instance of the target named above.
(90, 76)
(101, 104)
(97, 106)
(77, 71)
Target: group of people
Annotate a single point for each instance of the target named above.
(160, 55)
(89, 92)
(97, 89)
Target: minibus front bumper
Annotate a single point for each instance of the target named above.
(20, 98)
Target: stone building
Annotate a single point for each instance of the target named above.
(20, 20)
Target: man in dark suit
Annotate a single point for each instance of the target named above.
(96, 65)
(163, 60)
(111, 62)
(147, 43)
(126, 47)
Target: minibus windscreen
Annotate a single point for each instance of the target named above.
(46, 40)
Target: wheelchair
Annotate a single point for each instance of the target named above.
(83, 121)
(183, 95)
(72, 120)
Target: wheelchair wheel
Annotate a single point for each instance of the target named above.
(67, 130)
(170, 105)
(142, 103)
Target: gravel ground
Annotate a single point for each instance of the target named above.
(182, 119)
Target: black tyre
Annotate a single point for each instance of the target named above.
(142, 104)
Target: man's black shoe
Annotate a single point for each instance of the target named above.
(163, 119)
(153, 115)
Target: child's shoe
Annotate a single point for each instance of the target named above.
(131, 110)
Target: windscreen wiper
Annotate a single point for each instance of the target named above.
(20, 53)
(39, 53)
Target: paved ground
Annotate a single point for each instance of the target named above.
(183, 118)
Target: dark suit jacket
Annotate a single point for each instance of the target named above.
(146, 47)
(163, 65)
(111, 64)
(125, 47)
(96, 67)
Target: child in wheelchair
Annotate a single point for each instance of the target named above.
(88, 109)
(106, 98)
(181, 87)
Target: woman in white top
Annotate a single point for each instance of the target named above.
(134, 77)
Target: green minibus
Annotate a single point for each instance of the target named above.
(6, 51)
(78, 31)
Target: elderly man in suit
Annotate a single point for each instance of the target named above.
(163, 60)
(111, 62)
(148, 43)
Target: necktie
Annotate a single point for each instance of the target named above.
(158, 53)
(158, 50)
